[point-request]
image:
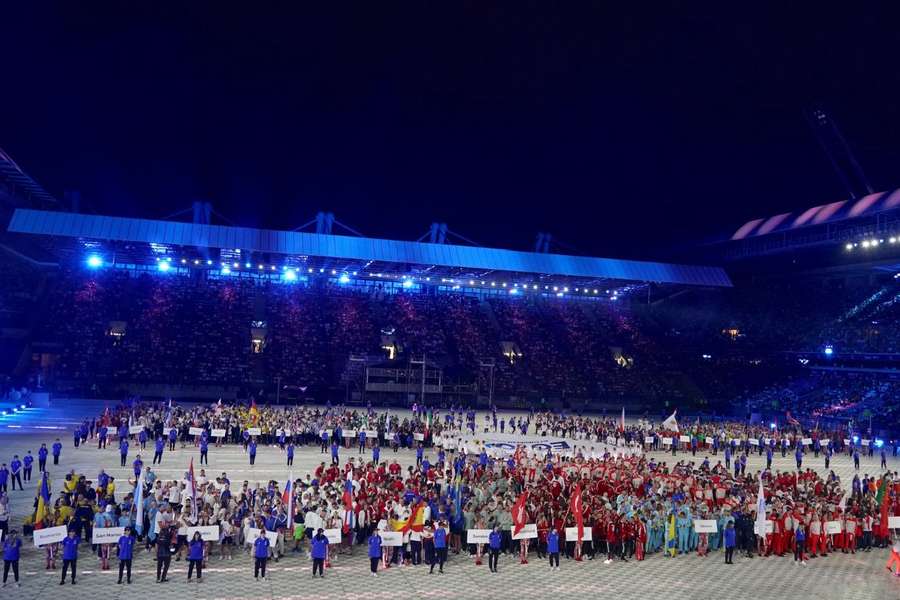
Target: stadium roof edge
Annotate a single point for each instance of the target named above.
(74, 225)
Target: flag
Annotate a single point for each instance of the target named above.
(43, 502)
(287, 498)
(139, 504)
(622, 420)
(883, 500)
(457, 497)
(761, 509)
(792, 420)
(519, 515)
(415, 522)
(671, 424)
(192, 488)
(348, 503)
(575, 507)
(670, 537)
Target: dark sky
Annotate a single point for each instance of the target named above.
(619, 132)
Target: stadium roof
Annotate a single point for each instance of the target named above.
(13, 174)
(173, 233)
(820, 215)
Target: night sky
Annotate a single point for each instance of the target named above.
(622, 133)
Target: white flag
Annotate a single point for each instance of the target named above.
(671, 424)
(761, 509)
(139, 504)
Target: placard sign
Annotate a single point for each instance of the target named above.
(419, 436)
(667, 441)
(865, 442)
(391, 539)
(648, 439)
(371, 433)
(770, 527)
(208, 533)
(705, 525)
(350, 434)
(334, 535)
(753, 442)
(685, 439)
(893, 522)
(135, 429)
(832, 527)
(253, 534)
(807, 441)
(478, 536)
(527, 532)
(254, 431)
(286, 432)
(107, 535)
(195, 431)
(50, 535)
(586, 534)
(218, 433)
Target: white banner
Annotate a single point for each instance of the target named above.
(825, 442)
(254, 431)
(135, 429)
(478, 536)
(419, 436)
(195, 431)
(846, 442)
(529, 531)
(806, 441)
(391, 538)
(208, 533)
(770, 527)
(286, 432)
(710, 441)
(667, 441)
(648, 439)
(865, 442)
(893, 522)
(51, 535)
(685, 439)
(253, 533)
(754, 442)
(334, 535)
(768, 441)
(350, 434)
(372, 434)
(832, 527)
(218, 433)
(705, 525)
(107, 535)
(586, 534)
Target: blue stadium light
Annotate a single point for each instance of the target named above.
(849, 247)
(184, 261)
(5, 413)
(855, 439)
(408, 284)
(513, 291)
(208, 262)
(226, 270)
(771, 425)
(879, 443)
(196, 262)
(163, 266)
(344, 278)
(290, 275)
(236, 265)
(829, 350)
(247, 265)
(23, 407)
(94, 261)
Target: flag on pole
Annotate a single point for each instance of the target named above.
(192, 488)
(287, 498)
(622, 420)
(671, 539)
(761, 509)
(519, 515)
(254, 412)
(883, 500)
(348, 502)
(792, 420)
(139, 504)
(576, 508)
(43, 502)
(671, 424)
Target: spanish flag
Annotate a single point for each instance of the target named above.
(254, 412)
(43, 502)
(415, 522)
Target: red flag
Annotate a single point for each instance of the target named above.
(519, 514)
(575, 508)
(792, 420)
(883, 499)
(622, 420)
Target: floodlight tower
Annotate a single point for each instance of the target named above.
(838, 151)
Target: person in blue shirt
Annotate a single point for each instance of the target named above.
(374, 552)
(440, 547)
(800, 544)
(12, 546)
(319, 551)
(420, 454)
(173, 436)
(138, 465)
(123, 451)
(57, 450)
(553, 548)
(251, 449)
(102, 434)
(125, 550)
(142, 438)
(798, 455)
(158, 450)
(76, 436)
(4, 477)
(204, 452)
(730, 542)
(494, 540)
(26, 466)
(362, 441)
(324, 439)
(376, 454)
(42, 458)
(15, 469)
(290, 454)
(195, 556)
(261, 554)
(70, 555)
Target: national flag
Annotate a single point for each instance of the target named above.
(43, 502)
(622, 420)
(139, 504)
(519, 514)
(348, 503)
(192, 488)
(415, 522)
(671, 546)
(792, 420)
(576, 508)
(671, 424)
(254, 412)
(761, 509)
(883, 500)
(287, 498)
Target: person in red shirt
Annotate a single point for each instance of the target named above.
(612, 539)
(640, 531)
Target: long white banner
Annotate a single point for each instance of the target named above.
(51, 535)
